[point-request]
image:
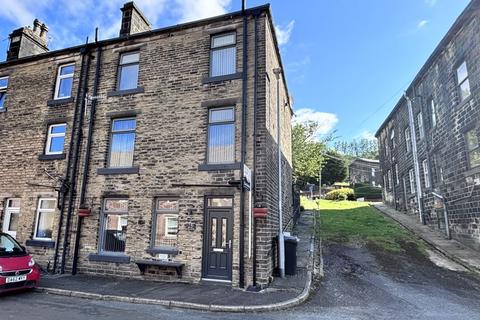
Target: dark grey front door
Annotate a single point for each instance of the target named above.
(217, 259)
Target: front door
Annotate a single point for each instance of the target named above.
(218, 236)
(10, 221)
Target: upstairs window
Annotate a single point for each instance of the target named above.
(397, 180)
(128, 71)
(462, 81)
(389, 175)
(473, 148)
(55, 138)
(392, 138)
(411, 177)
(223, 54)
(408, 140)
(221, 135)
(3, 91)
(433, 110)
(122, 143)
(421, 130)
(63, 87)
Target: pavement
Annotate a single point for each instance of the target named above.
(467, 257)
(282, 293)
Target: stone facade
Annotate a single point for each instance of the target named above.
(365, 171)
(171, 108)
(446, 132)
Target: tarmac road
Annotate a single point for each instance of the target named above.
(359, 283)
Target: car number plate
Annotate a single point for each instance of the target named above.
(16, 279)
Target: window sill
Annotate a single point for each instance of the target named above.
(40, 243)
(120, 258)
(117, 93)
(219, 166)
(164, 250)
(232, 76)
(109, 171)
(59, 102)
(47, 157)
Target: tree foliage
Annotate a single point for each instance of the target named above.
(362, 148)
(334, 168)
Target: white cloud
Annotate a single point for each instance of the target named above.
(283, 33)
(369, 135)
(17, 12)
(431, 3)
(422, 24)
(189, 10)
(326, 121)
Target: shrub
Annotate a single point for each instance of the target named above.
(368, 192)
(340, 194)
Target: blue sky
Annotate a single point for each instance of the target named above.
(347, 61)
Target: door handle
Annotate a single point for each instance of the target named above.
(230, 243)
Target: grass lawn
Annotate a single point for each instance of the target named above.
(357, 222)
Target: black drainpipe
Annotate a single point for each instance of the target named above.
(82, 92)
(243, 153)
(66, 184)
(255, 83)
(86, 164)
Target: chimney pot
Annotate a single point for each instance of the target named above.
(36, 26)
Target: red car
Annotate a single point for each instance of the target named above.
(17, 268)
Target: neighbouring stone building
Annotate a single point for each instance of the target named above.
(132, 156)
(430, 142)
(365, 171)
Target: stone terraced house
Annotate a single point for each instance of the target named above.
(147, 155)
(430, 142)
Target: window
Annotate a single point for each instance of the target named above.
(462, 81)
(397, 180)
(389, 179)
(473, 148)
(165, 223)
(63, 88)
(433, 110)
(122, 143)
(221, 135)
(114, 225)
(223, 55)
(392, 138)
(426, 173)
(128, 71)
(408, 139)
(55, 138)
(421, 131)
(44, 220)
(373, 172)
(387, 148)
(411, 177)
(3, 91)
(11, 217)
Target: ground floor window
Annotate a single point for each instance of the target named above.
(114, 225)
(44, 219)
(165, 223)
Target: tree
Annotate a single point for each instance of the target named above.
(334, 168)
(307, 152)
(362, 148)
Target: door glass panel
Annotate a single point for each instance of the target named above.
(224, 232)
(12, 225)
(220, 202)
(214, 232)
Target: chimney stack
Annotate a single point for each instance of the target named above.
(26, 42)
(133, 20)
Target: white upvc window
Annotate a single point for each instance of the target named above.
(64, 84)
(462, 81)
(55, 138)
(45, 218)
(392, 138)
(421, 130)
(408, 139)
(426, 173)
(411, 177)
(397, 180)
(223, 54)
(433, 110)
(3, 91)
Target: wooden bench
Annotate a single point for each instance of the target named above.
(143, 264)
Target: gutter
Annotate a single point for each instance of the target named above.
(86, 163)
